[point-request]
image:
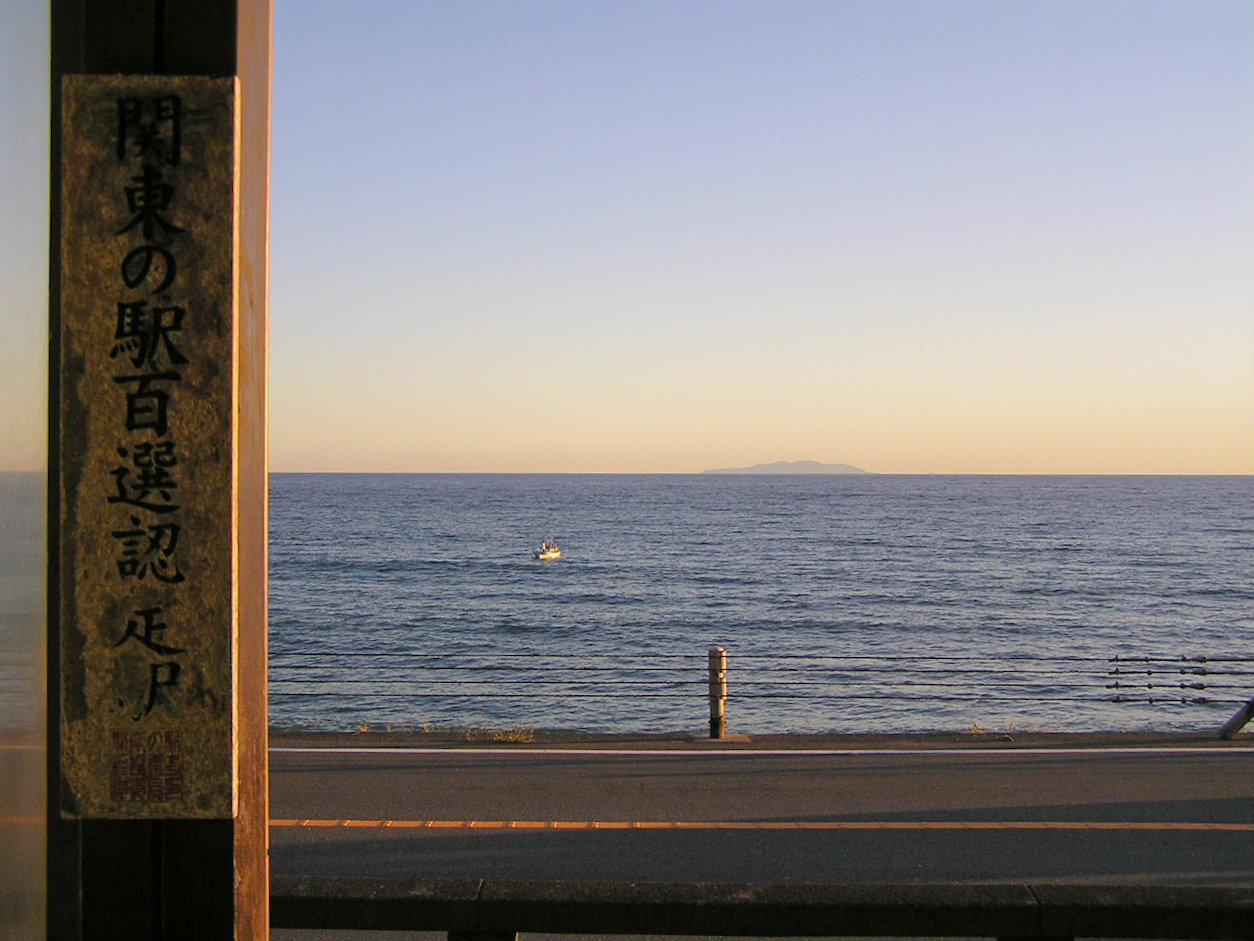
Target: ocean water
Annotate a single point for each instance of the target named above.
(23, 622)
(845, 603)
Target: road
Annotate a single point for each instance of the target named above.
(1170, 816)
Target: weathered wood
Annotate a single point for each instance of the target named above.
(148, 505)
(177, 877)
(251, 40)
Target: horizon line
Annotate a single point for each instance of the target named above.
(746, 473)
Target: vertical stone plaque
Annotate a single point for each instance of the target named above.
(148, 437)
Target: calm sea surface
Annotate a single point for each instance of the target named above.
(846, 603)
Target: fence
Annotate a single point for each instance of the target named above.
(759, 691)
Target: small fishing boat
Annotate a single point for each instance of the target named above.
(549, 550)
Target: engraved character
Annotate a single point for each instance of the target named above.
(143, 332)
(151, 489)
(144, 629)
(146, 201)
(139, 264)
(148, 551)
(152, 126)
(160, 676)
(147, 407)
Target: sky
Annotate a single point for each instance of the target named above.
(23, 237)
(950, 237)
(915, 236)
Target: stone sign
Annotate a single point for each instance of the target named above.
(148, 440)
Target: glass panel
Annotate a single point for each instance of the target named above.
(24, 71)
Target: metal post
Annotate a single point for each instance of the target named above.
(1238, 721)
(718, 692)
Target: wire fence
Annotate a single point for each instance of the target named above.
(765, 691)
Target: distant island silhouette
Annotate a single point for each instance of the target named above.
(791, 467)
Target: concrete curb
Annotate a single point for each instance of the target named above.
(473, 738)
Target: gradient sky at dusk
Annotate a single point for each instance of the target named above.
(976, 237)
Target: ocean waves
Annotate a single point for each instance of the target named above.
(1010, 575)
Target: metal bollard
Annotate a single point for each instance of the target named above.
(718, 692)
(1238, 721)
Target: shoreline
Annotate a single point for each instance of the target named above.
(871, 742)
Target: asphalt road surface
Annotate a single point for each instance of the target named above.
(1173, 815)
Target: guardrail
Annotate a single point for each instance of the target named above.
(852, 692)
(489, 910)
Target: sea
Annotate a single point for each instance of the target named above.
(843, 603)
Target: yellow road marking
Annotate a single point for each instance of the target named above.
(764, 825)
(730, 824)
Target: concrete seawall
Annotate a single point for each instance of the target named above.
(524, 739)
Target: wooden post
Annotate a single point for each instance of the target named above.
(718, 692)
(157, 741)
